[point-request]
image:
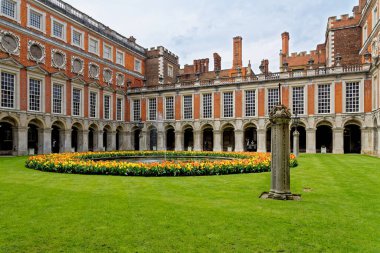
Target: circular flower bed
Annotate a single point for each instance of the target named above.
(92, 163)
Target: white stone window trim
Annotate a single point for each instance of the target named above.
(81, 72)
(17, 50)
(365, 33)
(266, 97)
(305, 98)
(31, 57)
(332, 97)
(361, 95)
(139, 70)
(16, 72)
(132, 108)
(96, 77)
(117, 79)
(54, 64)
(79, 87)
(122, 107)
(170, 73)
(165, 109)
(43, 19)
(109, 94)
(233, 104)
(64, 34)
(63, 106)
(17, 17)
(123, 57)
(104, 78)
(148, 109)
(42, 92)
(96, 91)
(183, 106)
(105, 45)
(98, 45)
(244, 103)
(73, 29)
(212, 105)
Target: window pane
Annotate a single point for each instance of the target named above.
(228, 103)
(35, 19)
(8, 8)
(57, 98)
(152, 109)
(188, 107)
(169, 107)
(207, 106)
(58, 29)
(250, 103)
(77, 102)
(136, 110)
(324, 98)
(352, 97)
(119, 109)
(7, 90)
(298, 100)
(34, 94)
(77, 38)
(93, 104)
(273, 98)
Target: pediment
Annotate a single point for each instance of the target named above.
(107, 88)
(78, 80)
(38, 69)
(95, 84)
(11, 62)
(60, 75)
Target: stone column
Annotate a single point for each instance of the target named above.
(44, 141)
(123, 140)
(83, 141)
(197, 141)
(111, 141)
(128, 140)
(239, 139)
(217, 141)
(160, 140)
(310, 141)
(98, 146)
(366, 140)
(296, 143)
(143, 140)
(338, 141)
(20, 137)
(261, 141)
(67, 140)
(179, 141)
(280, 171)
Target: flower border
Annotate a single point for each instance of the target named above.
(83, 163)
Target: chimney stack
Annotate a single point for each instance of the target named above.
(238, 52)
(201, 65)
(285, 43)
(217, 62)
(264, 67)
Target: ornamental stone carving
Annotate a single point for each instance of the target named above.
(58, 59)
(9, 43)
(36, 51)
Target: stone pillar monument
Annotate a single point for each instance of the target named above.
(280, 164)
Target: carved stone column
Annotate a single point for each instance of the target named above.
(239, 139)
(310, 141)
(296, 143)
(179, 141)
(197, 141)
(21, 140)
(99, 143)
(83, 141)
(111, 141)
(217, 141)
(44, 141)
(143, 139)
(160, 140)
(127, 138)
(67, 140)
(261, 141)
(280, 163)
(338, 141)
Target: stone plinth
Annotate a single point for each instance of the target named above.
(280, 165)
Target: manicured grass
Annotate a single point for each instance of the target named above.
(46, 212)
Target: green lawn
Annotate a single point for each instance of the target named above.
(45, 212)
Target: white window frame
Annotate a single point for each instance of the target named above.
(148, 108)
(305, 109)
(42, 100)
(73, 29)
(365, 33)
(123, 57)
(97, 48)
(165, 109)
(135, 65)
(375, 16)
(63, 84)
(64, 29)
(79, 87)
(122, 107)
(17, 11)
(222, 104)
(105, 45)
(109, 94)
(267, 97)
(43, 19)
(133, 109)
(361, 96)
(332, 97)
(92, 90)
(245, 105)
(202, 104)
(183, 106)
(170, 73)
(16, 72)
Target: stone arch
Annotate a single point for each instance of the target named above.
(152, 137)
(135, 136)
(107, 137)
(207, 137)
(169, 137)
(228, 137)
(324, 122)
(356, 122)
(324, 137)
(11, 120)
(352, 137)
(250, 137)
(227, 125)
(188, 137)
(301, 129)
(93, 130)
(77, 137)
(8, 140)
(36, 138)
(58, 136)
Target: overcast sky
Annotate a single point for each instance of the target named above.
(195, 29)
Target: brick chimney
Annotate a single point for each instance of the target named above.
(238, 52)
(201, 65)
(217, 62)
(264, 67)
(285, 43)
(362, 4)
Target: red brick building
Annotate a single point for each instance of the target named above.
(70, 83)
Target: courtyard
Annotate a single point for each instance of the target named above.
(48, 212)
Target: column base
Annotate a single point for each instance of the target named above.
(280, 196)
